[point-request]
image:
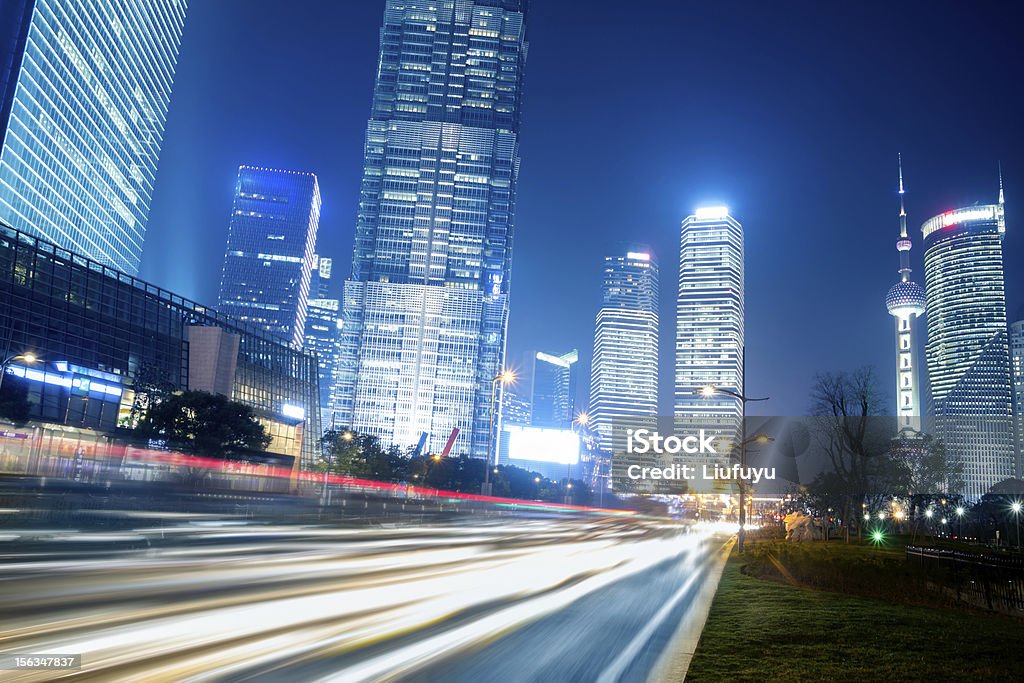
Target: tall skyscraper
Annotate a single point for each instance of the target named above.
(624, 372)
(1017, 368)
(554, 389)
(906, 303)
(323, 334)
(967, 351)
(84, 91)
(269, 259)
(426, 306)
(515, 410)
(709, 322)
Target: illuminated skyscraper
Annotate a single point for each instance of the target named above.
(84, 91)
(624, 372)
(906, 303)
(515, 409)
(1017, 368)
(323, 333)
(426, 306)
(709, 322)
(967, 351)
(269, 259)
(554, 389)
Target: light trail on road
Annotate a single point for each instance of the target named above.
(214, 602)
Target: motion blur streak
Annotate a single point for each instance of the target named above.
(203, 601)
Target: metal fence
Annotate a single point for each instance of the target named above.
(992, 581)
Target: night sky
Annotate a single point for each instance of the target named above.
(635, 113)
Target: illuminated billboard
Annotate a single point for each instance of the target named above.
(559, 446)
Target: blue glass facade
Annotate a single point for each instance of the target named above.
(426, 306)
(86, 86)
(269, 259)
(554, 389)
(98, 333)
(323, 332)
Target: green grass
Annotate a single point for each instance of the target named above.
(760, 630)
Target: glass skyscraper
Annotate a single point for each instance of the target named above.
(624, 372)
(84, 91)
(269, 259)
(967, 351)
(709, 322)
(426, 306)
(323, 332)
(1017, 368)
(554, 389)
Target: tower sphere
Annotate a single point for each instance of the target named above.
(905, 299)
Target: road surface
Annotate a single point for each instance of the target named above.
(511, 599)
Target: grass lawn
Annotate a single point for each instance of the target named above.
(760, 630)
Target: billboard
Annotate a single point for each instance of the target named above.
(559, 446)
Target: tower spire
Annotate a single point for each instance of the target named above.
(1000, 182)
(903, 210)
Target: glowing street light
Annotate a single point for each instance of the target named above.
(710, 391)
(960, 521)
(1016, 513)
(29, 358)
(505, 377)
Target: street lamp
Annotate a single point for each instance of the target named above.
(29, 358)
(506, 377)
(710, 391)
(1016, 513)
(960, 522)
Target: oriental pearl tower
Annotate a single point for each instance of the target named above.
(906, 303)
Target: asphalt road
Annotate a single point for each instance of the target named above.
(509, 599)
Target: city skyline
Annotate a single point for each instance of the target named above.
(820, 207)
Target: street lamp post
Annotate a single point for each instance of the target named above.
(506, 377)
(960, 522)
(27, 357)
(710, 391)
(1016, 513)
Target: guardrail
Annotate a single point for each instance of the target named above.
(995, 582)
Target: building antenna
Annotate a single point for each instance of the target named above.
(903, 210)
(1000, 181)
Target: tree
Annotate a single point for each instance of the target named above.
(204, 422)
(149, 386)
(920, 466)
(362, 456)
(846, 407)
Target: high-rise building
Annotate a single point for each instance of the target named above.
(323, 333)
(426, 307)
(84, 92)
(554, 389)
(624, 372)
(906, 303)
(1017, 368)
(515, 409)
(967, 352)
(269, 259)
(709, 323)
(321, 284)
